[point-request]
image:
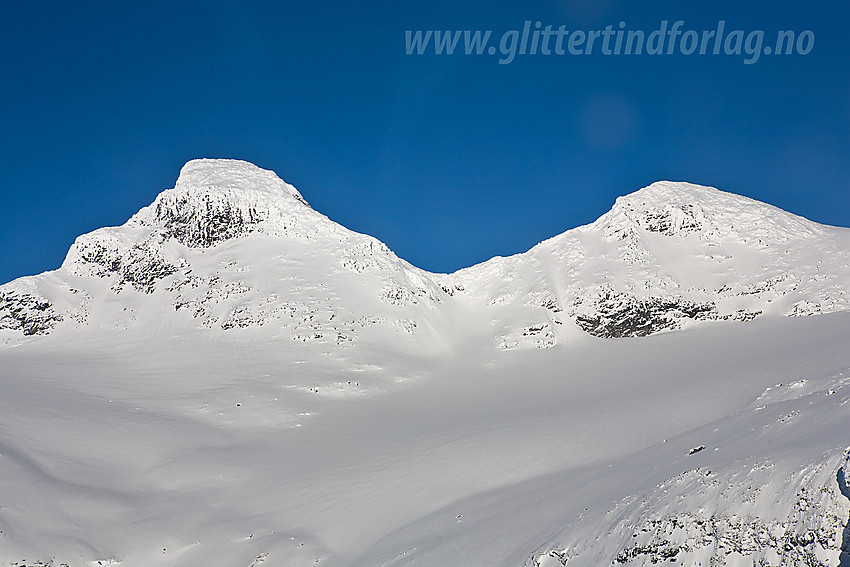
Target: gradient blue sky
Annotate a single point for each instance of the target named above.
(450, 160)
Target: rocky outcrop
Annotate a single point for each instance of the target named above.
(217, 200)
(214, 222)
(608, 314)
(27, 313)
(721, 521)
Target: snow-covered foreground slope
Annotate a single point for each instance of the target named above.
(232, 379)
(189, 451)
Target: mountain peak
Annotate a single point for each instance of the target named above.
(225, 175)
(674, 208)
(216, 199)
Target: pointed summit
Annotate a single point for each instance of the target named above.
(218, 199)
(207, 175)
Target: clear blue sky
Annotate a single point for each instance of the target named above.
(449, 159)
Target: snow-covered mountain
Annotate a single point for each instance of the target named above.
(233, 245)
(230, 246)
(231, 378)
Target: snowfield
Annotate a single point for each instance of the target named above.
(231, 379)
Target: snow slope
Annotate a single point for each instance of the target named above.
(231, 378)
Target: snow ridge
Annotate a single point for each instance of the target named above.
(665, 257)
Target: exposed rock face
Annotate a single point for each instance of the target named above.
(215, 222)
(609, 314)
(143, 268)
(104, 254)
(27, 313)
(811, 536)
(217, 200)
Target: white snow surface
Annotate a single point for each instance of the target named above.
(232, 379)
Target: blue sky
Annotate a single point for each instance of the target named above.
(449, 159)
